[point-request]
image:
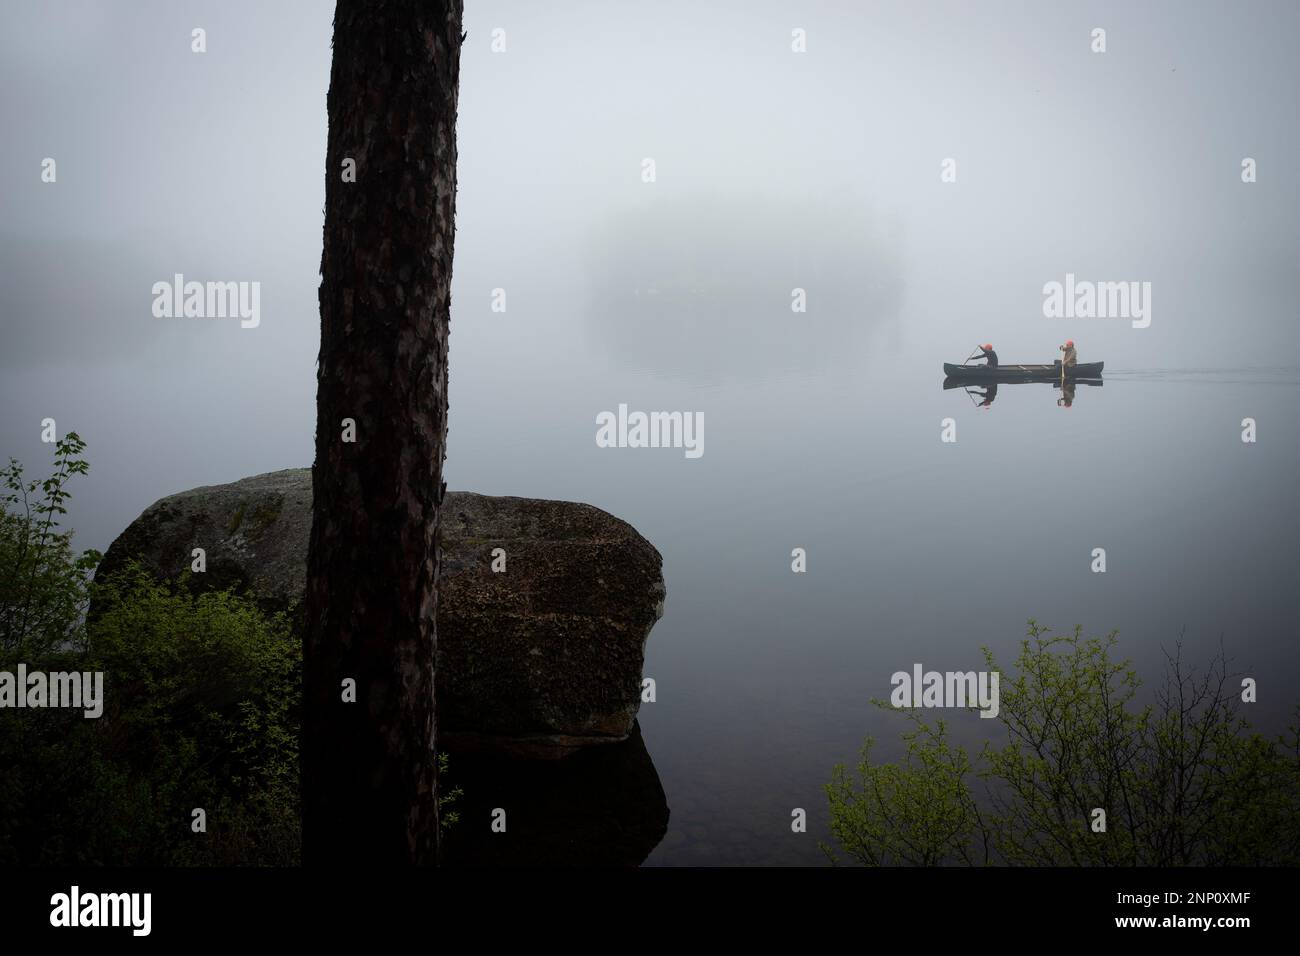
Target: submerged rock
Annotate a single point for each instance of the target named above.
(540, 659)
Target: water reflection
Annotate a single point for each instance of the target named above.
(985, 396)
(603, 806)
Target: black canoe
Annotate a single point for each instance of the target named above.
(1022, 373)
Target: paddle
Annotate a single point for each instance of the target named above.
(971, 356)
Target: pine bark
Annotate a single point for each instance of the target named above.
(369, 768)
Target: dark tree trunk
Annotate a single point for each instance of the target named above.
(369, 773)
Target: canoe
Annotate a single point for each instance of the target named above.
(1022, 373)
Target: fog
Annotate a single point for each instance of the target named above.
(774, 170)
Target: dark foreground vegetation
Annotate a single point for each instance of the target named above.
(1081, 774)
(202, 700)
(200, 706)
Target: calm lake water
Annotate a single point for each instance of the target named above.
(918, 551)
(822, 431)
(921, 552)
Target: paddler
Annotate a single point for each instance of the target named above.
(986, 352)
(1070, 358)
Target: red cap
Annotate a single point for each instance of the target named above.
(1070, 342)
(989, 347)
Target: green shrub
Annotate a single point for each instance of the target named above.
(48, 756)
(200, 706)
(202, 697)
(1183, 781)
(43, 585)
(201, 710)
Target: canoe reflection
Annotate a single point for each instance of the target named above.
(985, 396)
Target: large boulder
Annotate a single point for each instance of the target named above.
(540, 659)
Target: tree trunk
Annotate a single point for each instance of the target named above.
(369, 773)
